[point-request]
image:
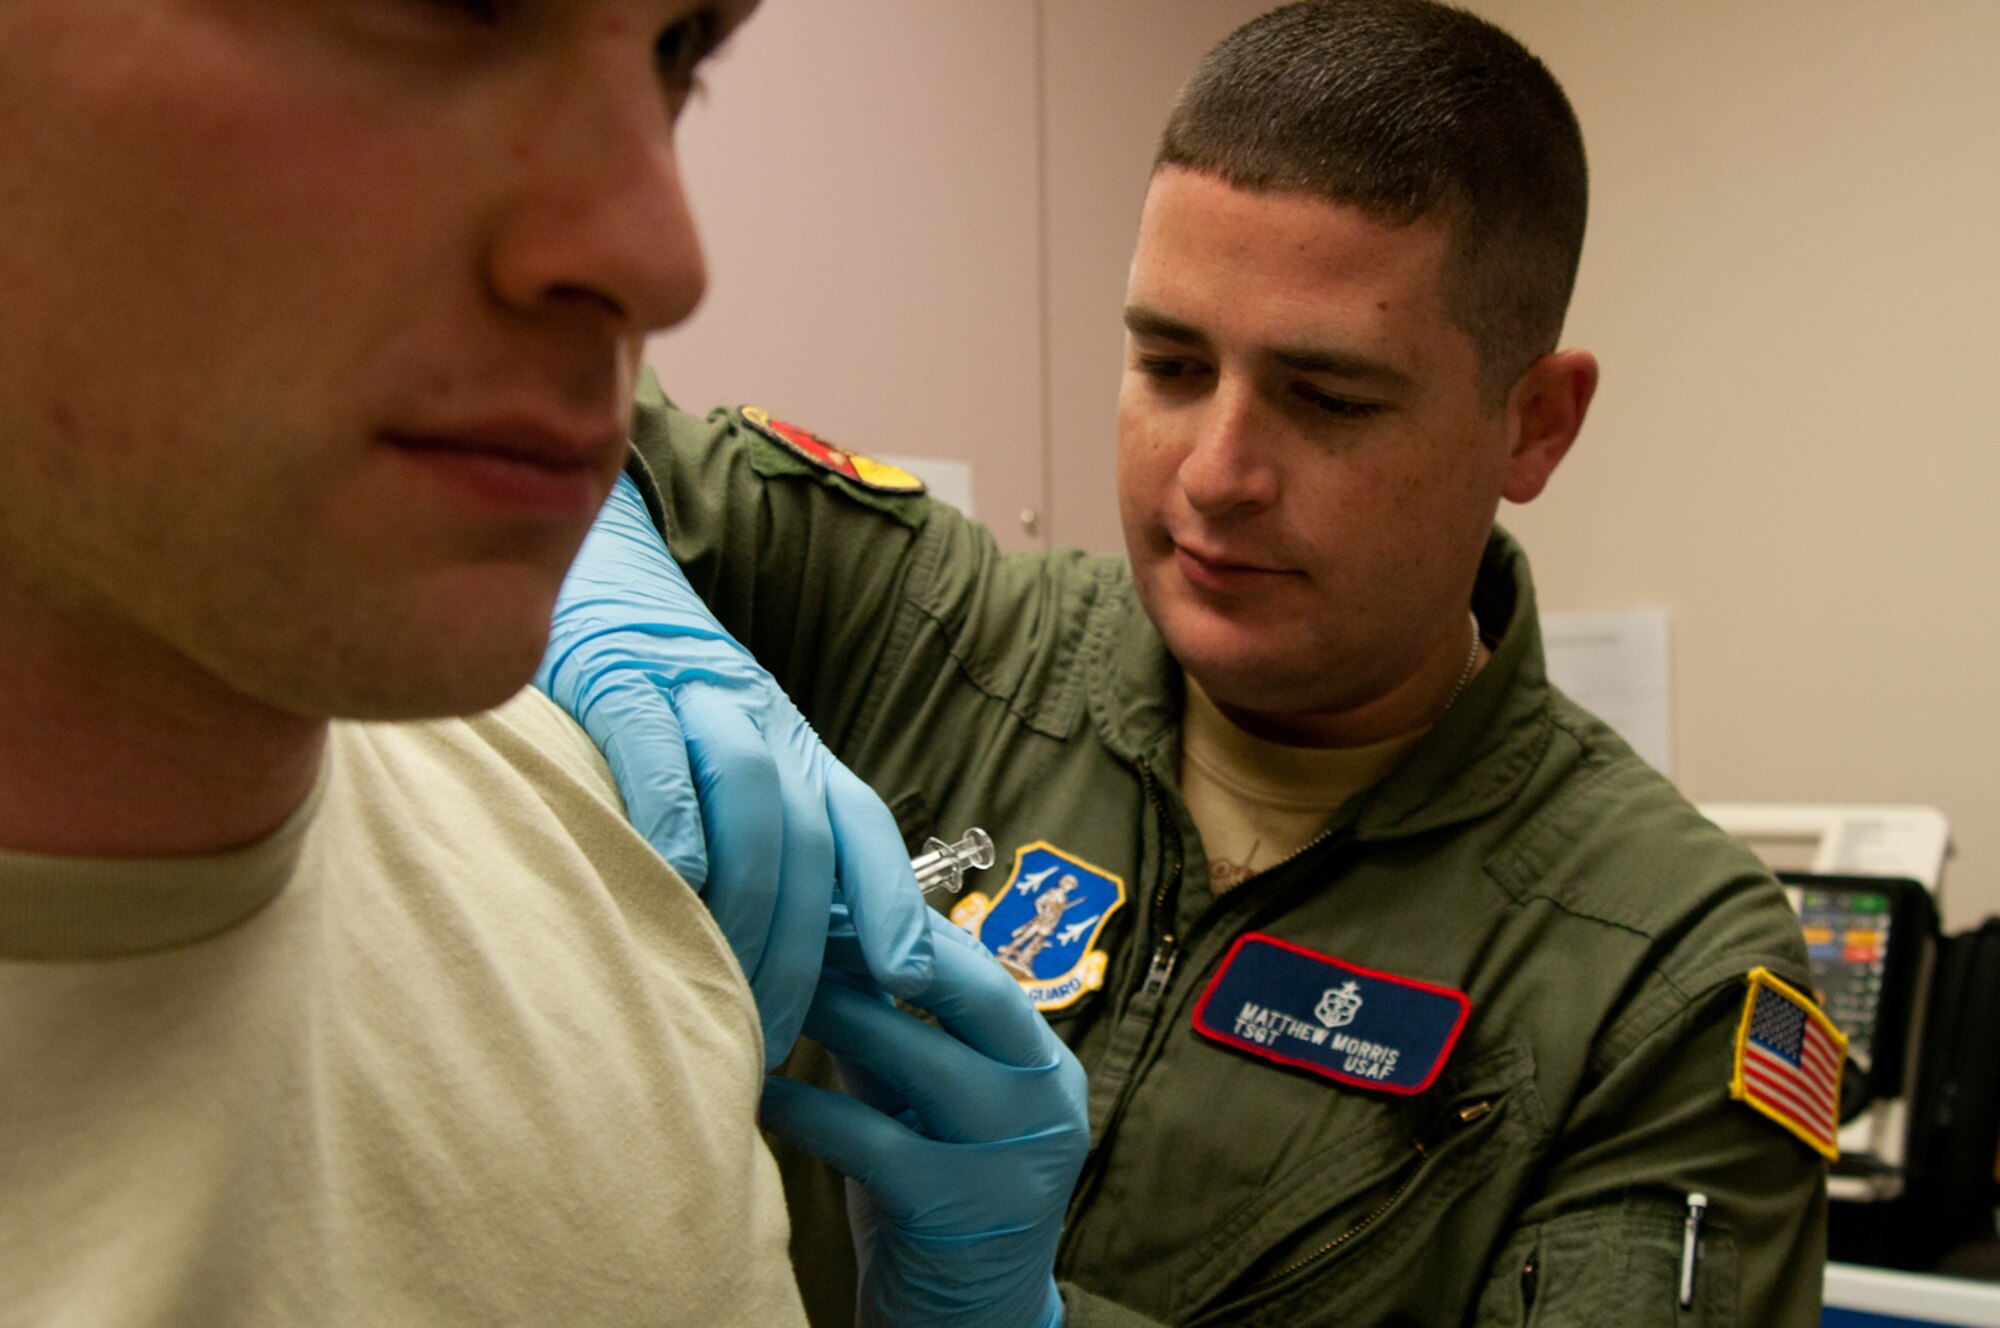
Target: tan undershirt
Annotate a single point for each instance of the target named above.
(1257, 802)
(454, 1046)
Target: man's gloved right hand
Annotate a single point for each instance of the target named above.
(962, 1142)
(723, 776)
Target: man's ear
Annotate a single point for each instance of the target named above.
(1545, 412)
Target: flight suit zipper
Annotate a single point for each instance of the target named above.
(1166, 952)
(1291, 857)
(1137, 1018)
(1171, 948)
(1425, 1150)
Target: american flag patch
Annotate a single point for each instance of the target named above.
(1788, 1062)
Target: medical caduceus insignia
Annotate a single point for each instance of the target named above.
(1043, 927)
(1338, 1005)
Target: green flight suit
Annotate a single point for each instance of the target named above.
(1520, 853)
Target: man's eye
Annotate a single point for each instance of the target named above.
(480, 11)
(1167, 368)
(1339, 407)
(683, 47)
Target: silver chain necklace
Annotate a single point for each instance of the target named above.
(1471, 663)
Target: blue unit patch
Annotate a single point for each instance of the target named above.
(1044, 926)
(1287, 1004)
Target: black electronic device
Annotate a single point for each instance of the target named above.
(1869, 941)
(1932, 1204)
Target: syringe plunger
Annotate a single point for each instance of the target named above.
(942, 866)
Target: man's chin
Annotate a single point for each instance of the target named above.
(1233, 680)
(1218, 649)
(1250, 677)
(400, 680)
(407, 699)
(466, 645)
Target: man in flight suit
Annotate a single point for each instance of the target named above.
(1408, 993)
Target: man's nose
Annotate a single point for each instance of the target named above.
(598, 216)
(1228, 467)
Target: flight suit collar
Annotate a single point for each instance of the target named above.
(1477, 757)
(1136, 688)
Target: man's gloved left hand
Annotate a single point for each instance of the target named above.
(725, 778)
(961, 1141)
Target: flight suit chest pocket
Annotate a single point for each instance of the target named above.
(1359, 1206)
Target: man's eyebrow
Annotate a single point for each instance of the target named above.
(1144, 322)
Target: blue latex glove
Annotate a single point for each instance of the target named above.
(725, 778)
(962, 1143)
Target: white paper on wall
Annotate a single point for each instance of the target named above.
(1615, 666)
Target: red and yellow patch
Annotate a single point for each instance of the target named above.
(878, 476)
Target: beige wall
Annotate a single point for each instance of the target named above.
(867, 180)
(1792, 280)
(921, 212)
(1113, 67)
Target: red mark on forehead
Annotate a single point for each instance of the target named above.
(615, 25)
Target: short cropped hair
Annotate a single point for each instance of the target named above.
(1408, 109)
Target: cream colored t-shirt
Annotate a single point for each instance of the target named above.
(454, 1046)
(1257, 802)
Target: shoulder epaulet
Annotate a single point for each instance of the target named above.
(864, 471)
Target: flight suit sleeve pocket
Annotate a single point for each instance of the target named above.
(1617, 1265)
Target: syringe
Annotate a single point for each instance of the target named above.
(942, 866)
